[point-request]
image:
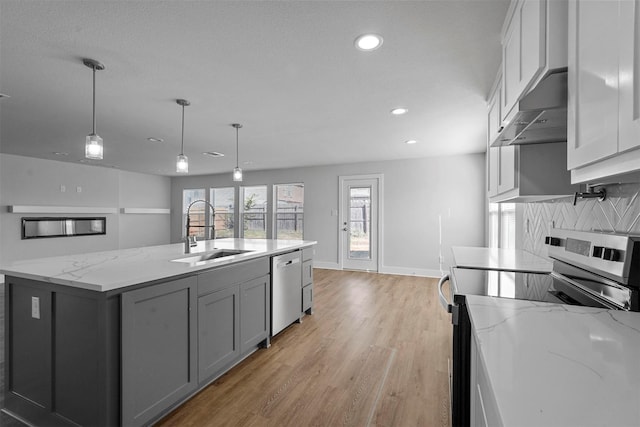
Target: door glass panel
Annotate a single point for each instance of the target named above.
(360, 222)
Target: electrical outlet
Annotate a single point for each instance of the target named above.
(35, 307)
(63, 188)
(78, 189)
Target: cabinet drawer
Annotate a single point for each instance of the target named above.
(220, 278)
(307, 297)
(307, 273)
(307, 254)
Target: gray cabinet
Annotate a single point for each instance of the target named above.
(158, 348)
(233, 314)
(255, 309)
(218, 331)
(307, 280)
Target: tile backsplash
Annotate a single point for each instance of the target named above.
(620, 212)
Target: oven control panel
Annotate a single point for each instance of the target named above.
(611, 255)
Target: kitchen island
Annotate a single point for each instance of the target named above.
(123, 337)
(537, 364)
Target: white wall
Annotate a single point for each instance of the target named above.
(29, 181)
(416, 193)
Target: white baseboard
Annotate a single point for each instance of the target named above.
(402, 271)
(326, 265)
(408, 271)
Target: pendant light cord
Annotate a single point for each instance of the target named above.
(237, 149)
(182, 145)
(94, 100)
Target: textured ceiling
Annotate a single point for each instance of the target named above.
(287, 70)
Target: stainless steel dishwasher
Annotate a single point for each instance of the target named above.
(286, 290)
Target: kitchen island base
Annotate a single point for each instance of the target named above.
(129, 357)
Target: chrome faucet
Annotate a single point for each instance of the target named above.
(190, 241)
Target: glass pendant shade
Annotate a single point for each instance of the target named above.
(237, 174)
(93, 147)
(182, 164)
(93, 144)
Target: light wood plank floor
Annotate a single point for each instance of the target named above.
(374, 353)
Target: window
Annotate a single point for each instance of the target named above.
(502, 225)
(253, 212)
(197, 215)
(223, 200)
(289, 211)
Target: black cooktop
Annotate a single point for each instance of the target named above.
(525, 286)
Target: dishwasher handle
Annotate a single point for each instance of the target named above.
(287, 263)
(451, 308)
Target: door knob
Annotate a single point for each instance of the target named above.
(344, 229)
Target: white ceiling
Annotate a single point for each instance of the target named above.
(287, 70)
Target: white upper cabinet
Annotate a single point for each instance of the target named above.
(493, 126)
(629, 78)
(592, 116)
(533, 42)
(603, 121)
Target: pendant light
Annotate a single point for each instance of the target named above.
(182, 162)
(237, 172)
(93, 146)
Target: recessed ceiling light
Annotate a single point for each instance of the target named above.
(213, 154)
(411, 141)
(368, 42)
(60, 153)
(153, 139)
(399, 111)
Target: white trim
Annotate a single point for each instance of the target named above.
(161, 211)
(380, 243)
(408, 271)
(399, 271)
(326, 265)
(61, 209)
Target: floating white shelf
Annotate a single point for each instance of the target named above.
(34, 209)
(160, 211)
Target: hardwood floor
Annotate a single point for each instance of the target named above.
(374, 353)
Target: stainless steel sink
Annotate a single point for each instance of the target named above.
(211, 256)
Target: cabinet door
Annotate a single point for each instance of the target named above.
(508, 177)
(592, 123)
(493, 126)
(218, 331)
(629, 120)
(523, 51)
(158, 348)
(307, 298)
(255, 314)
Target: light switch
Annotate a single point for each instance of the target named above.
(63, 188)
(35, 307)
(78, 189)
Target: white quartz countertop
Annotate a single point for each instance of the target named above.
(112, 270)
(559, 365)
(499, 259)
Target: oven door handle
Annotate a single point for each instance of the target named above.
(451, 308)
(443, 300)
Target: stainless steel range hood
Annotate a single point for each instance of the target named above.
(541, 115)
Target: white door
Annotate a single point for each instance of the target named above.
(359, 223)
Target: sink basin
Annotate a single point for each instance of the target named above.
(210, 256)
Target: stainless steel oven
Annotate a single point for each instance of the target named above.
(589, 268)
